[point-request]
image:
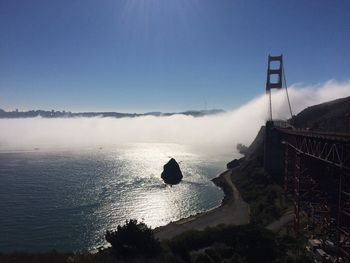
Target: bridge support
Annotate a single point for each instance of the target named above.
(317, 170)
(288, 171)
(273, 153)
(343, 220)
(296, 201)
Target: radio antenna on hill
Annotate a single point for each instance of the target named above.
(276, 79)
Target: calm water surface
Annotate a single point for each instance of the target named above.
(67, 199)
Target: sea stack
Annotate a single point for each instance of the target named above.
(171, 172)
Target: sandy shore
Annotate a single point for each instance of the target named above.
(233, 210)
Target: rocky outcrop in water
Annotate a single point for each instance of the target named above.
(171, 172)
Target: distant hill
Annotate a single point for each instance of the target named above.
(68, 114)
(329, 116)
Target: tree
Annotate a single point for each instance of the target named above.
(133, 239)
(242, 149)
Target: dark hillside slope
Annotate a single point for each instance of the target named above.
(329, 116)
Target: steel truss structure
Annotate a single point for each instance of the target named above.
(317, 177)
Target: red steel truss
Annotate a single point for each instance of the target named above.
(317, 177)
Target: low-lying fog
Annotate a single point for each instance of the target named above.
(217, 134)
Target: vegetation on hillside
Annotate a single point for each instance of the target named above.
(133, 239)
(245, 243)
(265, 197)
(229, 240)
(263, 193)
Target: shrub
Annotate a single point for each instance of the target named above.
(133, 239)
(241, 239)
(242, 149)
(235, 259)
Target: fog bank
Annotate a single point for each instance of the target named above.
(217, 134)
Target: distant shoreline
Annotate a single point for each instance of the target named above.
(67, 114)
(233, 210)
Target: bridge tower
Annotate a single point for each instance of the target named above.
(273, 149)
(276, 80)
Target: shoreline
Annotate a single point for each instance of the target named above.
(232, 210)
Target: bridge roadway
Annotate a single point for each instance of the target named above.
(329, 147)
(329, 136)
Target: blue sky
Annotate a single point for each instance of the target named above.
(166, 55)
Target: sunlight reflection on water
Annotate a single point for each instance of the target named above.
(67, 199)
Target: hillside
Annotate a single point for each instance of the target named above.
(329, 116)
(259, 189)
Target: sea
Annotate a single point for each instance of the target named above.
(66, 199)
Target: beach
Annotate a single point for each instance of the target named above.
(233, 210)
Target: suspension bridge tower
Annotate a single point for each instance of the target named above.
(276, 79)
(273, 149)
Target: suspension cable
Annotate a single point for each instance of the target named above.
(285, 85)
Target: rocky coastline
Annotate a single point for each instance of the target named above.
(233, 210)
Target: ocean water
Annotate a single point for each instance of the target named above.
(66, 199)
